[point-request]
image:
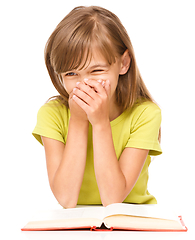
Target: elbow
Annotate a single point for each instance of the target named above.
(66, 200)
(107, 202)
(111, 199)
(67, 204)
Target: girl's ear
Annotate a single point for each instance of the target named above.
(125, 62)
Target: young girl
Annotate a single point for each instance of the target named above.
(100, 132)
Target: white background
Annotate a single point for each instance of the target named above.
(162, 33)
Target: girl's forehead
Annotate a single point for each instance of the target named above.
(97, 60)
(94, 59)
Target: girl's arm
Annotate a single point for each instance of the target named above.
(115, 178)
(66, 163)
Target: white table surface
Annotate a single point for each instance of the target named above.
(10, 229)
(88, 235)
(72, 235)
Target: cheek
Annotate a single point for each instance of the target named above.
(69, 85)
(114, 83)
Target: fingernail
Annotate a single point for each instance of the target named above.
(85, 79)
(99, 80)
(77, 83)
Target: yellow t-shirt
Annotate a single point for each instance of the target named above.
(136, 128)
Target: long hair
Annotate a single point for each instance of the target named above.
(71, 44)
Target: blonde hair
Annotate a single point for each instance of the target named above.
(70, 47)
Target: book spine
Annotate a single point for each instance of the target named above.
(94, 228)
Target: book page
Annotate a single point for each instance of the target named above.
(140, 210)
(73, 213)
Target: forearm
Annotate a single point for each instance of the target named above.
(69, 175)
(110, 179)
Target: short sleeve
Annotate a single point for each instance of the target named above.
(144, 131)
(51, 122)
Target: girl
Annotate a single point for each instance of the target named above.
(100, 132)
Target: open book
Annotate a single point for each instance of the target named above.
(119, 216)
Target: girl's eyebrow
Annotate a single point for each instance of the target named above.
(99, 66)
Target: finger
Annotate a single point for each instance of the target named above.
(103, 84)
(107, 87)
(96, 85)
(100, 81)
(71, 95)
(85, 89)
(81, 103)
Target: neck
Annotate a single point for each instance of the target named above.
(114, 111)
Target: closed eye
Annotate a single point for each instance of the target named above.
(97, 70)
